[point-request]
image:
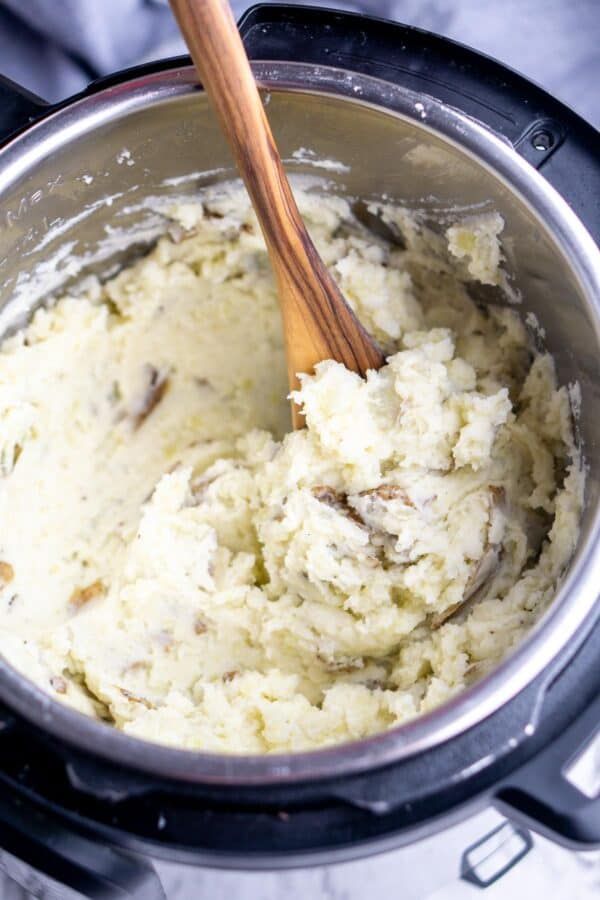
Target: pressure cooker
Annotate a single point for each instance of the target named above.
(371, 109)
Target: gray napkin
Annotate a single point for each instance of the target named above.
(55, 47)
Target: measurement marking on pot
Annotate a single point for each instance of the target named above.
(12, 216)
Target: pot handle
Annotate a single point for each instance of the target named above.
(18, 107)
(44, 857)
(543, 793)
(548, 134)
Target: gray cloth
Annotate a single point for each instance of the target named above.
(102, 32)
(55, 47)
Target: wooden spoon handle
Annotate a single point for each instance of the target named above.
(318, 323)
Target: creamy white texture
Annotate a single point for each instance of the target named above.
(172, 561)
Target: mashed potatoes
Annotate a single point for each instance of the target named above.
(172, 561)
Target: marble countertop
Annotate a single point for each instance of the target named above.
(548, 871)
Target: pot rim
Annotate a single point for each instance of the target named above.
(574, 610)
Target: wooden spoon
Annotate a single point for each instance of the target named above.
(318, 324)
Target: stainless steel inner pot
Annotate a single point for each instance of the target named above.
(69, 181)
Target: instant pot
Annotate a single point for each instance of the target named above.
(370, 108)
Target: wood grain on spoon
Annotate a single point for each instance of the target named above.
(318, 323)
